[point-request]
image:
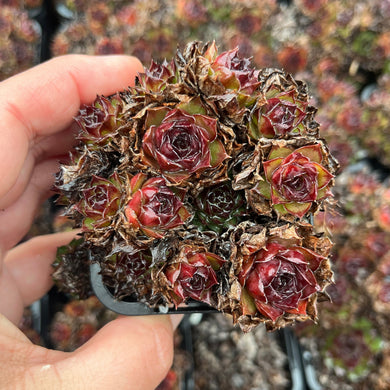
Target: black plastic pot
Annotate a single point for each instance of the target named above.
(134, 308)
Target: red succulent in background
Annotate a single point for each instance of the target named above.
(350, 117)
(384, 293)
(85, 332)
(382, 215)
(100, 201)
(294, 179)
(354, 262)
(154, 208)
(353, 347)
(247, 23)
(364, 184)
(293, 58)
(264, 56)
(338, 292)
(311, 7)
(193, 12)
(377, 242)
(170, 382)
(127, 15)
(179, 144)
(279, 279)
(97, 17)
(60, 334)
(282, 115)
(341, 149)
(193, 274)
(99, 122)
(108, 45)
(378, 286)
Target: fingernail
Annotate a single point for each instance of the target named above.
(175, 319)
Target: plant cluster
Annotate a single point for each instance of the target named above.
(198, 183)
(19, 39)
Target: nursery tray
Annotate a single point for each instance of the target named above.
(135, 308)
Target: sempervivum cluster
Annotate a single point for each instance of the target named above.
(198, 183)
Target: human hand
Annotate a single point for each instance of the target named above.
(36, 111)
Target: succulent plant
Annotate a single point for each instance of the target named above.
(193, 274)
(218, 207)
(182, 144)
(351, 350)
(72, 268)
(170, 382)
(154, 208)
(26, 326)
(19, 39)
(378, 286)
(77, 322)
(178, 200)
(278, 273)
(294, 180)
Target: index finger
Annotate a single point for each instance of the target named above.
(44, 99)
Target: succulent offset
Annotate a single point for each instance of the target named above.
(199, 183)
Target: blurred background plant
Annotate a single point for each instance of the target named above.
(342, 50)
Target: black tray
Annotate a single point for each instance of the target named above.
(302, 371)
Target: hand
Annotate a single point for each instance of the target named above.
(36, 111)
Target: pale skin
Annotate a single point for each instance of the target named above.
(36, 111)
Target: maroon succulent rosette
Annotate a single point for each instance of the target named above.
(157, 77)
(279, 274)
(378, 286)
(133, 263)
(100, 202)
(127, 271)
(280, 279)
(230, 83)
(293, 180)
(154, 208)
(179, 144)
(192, 274)
(234, 73)
(282, 115)
(99, 122)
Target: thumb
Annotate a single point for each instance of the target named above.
(128, 353)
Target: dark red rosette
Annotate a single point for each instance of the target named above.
(179, 144)
(280, 279)
(100, 202)
(294, 179)
(99, 122)
(193, 274)
(157, 77)
(154, 208)
(283, 114)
